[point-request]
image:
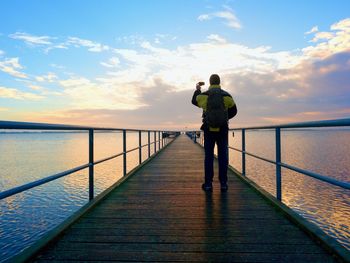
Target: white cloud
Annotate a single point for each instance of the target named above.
(53, 42)
(343, 25)
(49, 77)
(74, 82)
(35, 87)
(92, 46)
(112, 63)
(56, 46)
(217, 38)
(312, 30)
(11, 66)
(186, 64)
(322, 36)
(227, 14)
(102, 94)
(2, 52)
(330, 42)
(204, 17)
(11, 93)
(32, 39)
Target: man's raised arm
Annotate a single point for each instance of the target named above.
(195, 94)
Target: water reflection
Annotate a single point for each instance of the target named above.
(25, 217)
(322, 151)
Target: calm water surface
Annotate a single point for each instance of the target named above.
(26, 157)
(322, 151)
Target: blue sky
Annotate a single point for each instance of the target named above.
(135, 63)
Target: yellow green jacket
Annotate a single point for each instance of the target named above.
(200, 100)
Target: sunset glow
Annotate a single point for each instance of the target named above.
(135, 63)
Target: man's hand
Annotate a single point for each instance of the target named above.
(198, 87)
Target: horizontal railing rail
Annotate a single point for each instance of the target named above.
(197, 136)
(164, 137)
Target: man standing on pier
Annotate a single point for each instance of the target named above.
(218, 107)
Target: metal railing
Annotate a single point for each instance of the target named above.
(278, 162)
(164, 137)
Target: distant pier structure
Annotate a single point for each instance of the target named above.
(158, 211)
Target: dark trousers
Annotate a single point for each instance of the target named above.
(221, 140)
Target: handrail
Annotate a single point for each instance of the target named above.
(11, 125)
(278, 163)
(310, 124)
(45, 180)
(163, 139)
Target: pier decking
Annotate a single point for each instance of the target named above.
(161, 214)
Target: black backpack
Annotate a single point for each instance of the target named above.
(216, 114)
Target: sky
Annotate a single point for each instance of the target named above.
(135, 63)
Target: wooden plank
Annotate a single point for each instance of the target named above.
(152, 256)
(217, 247)
(161, 214)
(86, 236)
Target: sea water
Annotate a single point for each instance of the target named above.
(323, 151)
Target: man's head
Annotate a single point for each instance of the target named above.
(214, 79)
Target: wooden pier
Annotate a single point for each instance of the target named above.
(161, 214)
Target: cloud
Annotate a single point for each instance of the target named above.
(322, 35)
(49, 77)
(107, 93)
(4, 109)
(11, 93)
(312, 30)
(254, 74)
(151, 86)
(112, 63)
(230, 18)
(330, 42)
(308, 91)
(160, 98)
(58, 43)
(2, 52)
(294, 94)
(204, 17)
(32, 39)
(343, 25)
(92, 46)
(36, 87)
(217, 38)
(11, 66)
(184, 65)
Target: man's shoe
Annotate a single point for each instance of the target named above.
(224, 188)
(207, 187)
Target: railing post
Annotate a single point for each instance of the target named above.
(228, 148)
(162, 139)
(278, 166)
(140, 149)
(195, 137)
(243, 152)
(158, 140)
(91, 164)
(149, 144)
(155, 139)
(124, 152)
